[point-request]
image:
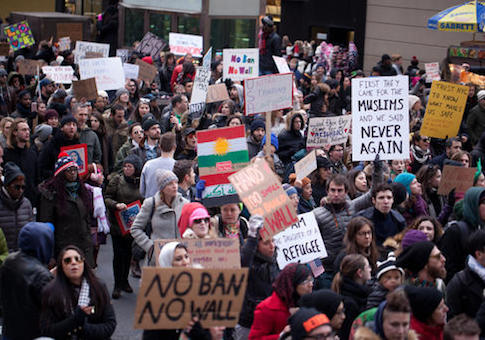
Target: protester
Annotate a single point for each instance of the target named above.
(291, 140)
(306, 202)
(258, 128)
(184, 170)
(149, 147)
(229, 223)
(308, 323)
(357, 183)
(135, 133)
(389, 277)
(320, 178)
(475, 122)
(461, 327)
(430, 227)
(198, 224)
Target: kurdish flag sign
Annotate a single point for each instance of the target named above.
(221, 152)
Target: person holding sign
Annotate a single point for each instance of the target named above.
(291, 140)
(199, 223)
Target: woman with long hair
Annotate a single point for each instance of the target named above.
(430, 227)
(97, 124)
(142, 109)
(76, 304)
(357, 183)
(123, 98)
(135, 135)
(462, 157)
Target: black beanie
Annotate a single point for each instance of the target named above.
(304, 321)
(423, 301)
(324, 300)
(68, 119)
(415, 257)
(11, 172)
(135, 161)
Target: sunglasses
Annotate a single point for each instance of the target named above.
(74, 259)
(200, 220)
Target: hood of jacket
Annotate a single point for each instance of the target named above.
(289, 121)
(471, 204)
(37, 239)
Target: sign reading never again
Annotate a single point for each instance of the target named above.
(170, 297)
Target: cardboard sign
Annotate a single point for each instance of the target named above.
(170, 297)
(151, 45)
(181, 44)
(215, 253)
(328, 131)
(262, 193)
(302, 242)
(92, 55)
(456, 177)
(146, 72)
(4, 48)
(220, 153)
(432, 72)
(19, 35)
(74, 30)
(84, 46)
(85, 89)
(380, 118)
(29, 66)
(131, 71)
(108, 72)
(281, 64)
(126, 217)
(59, 74)
(306, 165)
(217, 93)
(64, 44)
(124, 54)
(79, 154)
(240, 64)
(444, 111)
(268, 93)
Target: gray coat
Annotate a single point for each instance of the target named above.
(164, 222)
(13, 216)
(88, 136)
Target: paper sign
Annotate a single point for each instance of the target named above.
(131, 71)
(146, 72)
(380, 118)
(328, 131)
(29, 66)
(4, 48)
(151, 45)
(240, 64)
(19, 35)
(170, 297)
(217, 93)
(74, 30)
(306, 165)
(262, 193)
(64, 44)
(215, 253)
(124, 54)
(201, 84)
(84, 46)
(456, 177)
(432, 72)
(206, 62)
(85, 89)
(108, 72)
(59, 74)
(281, 64)
(302, 242)
(181, 44)
(444, 111)
(268, 93)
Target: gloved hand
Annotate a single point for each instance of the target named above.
(199, 187)
(255, 223)
(377, 164)
(451, 198)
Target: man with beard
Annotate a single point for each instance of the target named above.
(424, 265)
(47, 88)
(258, 129)
(23, 108)
(86, 135)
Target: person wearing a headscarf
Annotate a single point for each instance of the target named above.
(271, 315)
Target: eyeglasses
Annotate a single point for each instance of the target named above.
(307, 281)
(329, 336)
(74, 259)
(19, 187)
(138, 132)
(200, 220)
(364, 233)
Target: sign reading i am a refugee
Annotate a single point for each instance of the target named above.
(240, 64)
(262, 193)
(170, 297)
(268, 93)
(444, 111)
(380, 118)
(302, 242)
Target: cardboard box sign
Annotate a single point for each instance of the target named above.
(170, 297)
(146, 72)
(217, 93)
(85, 89)
(456, 177)
(29, 66)
(268, 93)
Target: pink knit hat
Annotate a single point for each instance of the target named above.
(198, 213)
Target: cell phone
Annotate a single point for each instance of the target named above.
(33, 107)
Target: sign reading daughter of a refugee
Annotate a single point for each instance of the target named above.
(380, 118)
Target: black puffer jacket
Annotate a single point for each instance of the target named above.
(13, 216)
(290, 141)
(262, 273)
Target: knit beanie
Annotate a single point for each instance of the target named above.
(42, 131)
(304, 321)
(274, 141)
(120, 91)
(11, 172)
(324, 300)
(68, 119)
(63, 162)
(51, 113)
(199, 213)
(256, 124)
(415, 257)
(405, 179)
(423, 301)
(387, 265)
(164, 177)
(147, 124)
(290, 190)
(135, 161)
(411, 237)
(323, 162)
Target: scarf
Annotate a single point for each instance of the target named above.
(84, 299)
(476, 267)
(232, 230)
(72, 188)
(419, 154)
(99, 209)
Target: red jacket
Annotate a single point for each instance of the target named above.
(270, 318)
(425, 331)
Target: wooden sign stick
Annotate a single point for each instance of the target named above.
(267, 145)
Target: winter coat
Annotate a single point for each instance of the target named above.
(479, 151)
(49, 153)
(272, 47)
(117, 135)
(140, 151)
(355, 300)
(164, 222)
(425, 331)
(120, 190)
(71, 219)
(216, 224)
(476, 123)
(13, 216)
(89, 137)
(382, 234)
(270, 318)
(305, 206)
(262, 273)
(121, 154)
(464, 293)
(253, 146)
(290, 141)
(377, 295)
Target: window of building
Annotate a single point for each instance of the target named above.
(160, 24)
(188, 25)
(233, 33)
(134, 30)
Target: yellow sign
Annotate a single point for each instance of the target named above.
(444, 111)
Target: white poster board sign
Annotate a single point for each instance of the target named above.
(181, 44)
(108, 72)
(124, 54)
(306, 165)
(302, 242)
(59, 74)
(324, 131)
(432, 72)
(281, 64)
(131, 71)
(267, 93)
(84, 46)
(201, 84)
(380, 118)
(240, 64)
